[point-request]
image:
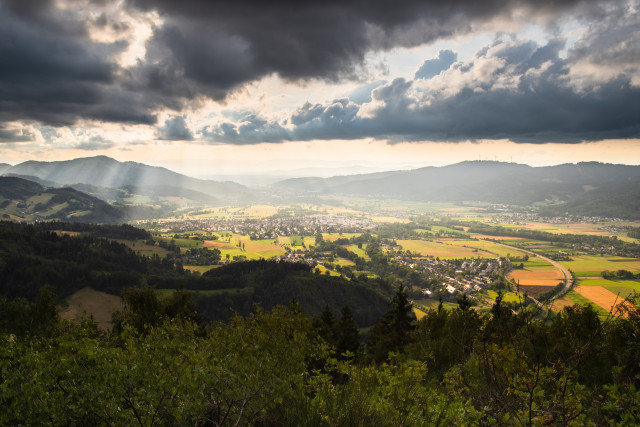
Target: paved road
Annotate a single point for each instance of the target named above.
(568, 279)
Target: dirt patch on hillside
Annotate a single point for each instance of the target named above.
(561, 303)
(213, 244)
(98, 304)
(535, 290)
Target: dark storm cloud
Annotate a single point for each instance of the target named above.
(175, 129)
(211, 48)
(56, 76)
(15, 135)
(52, 72)
(513, 90)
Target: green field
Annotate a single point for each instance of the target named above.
(430, 303)
(576, 298)
(360, 252)
(183, 243)
(592, 265)
(622, 287)
(506, 296)
(143, 248)
(344, 262)
(335, 236)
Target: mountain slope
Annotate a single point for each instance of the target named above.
(493, 182)
(102, 171)
(21, 199)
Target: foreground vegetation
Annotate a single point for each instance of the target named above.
(161, 365)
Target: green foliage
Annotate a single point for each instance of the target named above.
(392, 332)
(143, 308)
(248, 371)
(22, 317)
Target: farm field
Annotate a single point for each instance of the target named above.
(335, 236)
(598, 295)
(583, 228)
(537, 276)
(487, 249)
(572, 298)
(506, 296)
(143, 248)
(430, 303)
(592, 265)
(622, 287)
(360, 252)
(183, 243)
(438, 249)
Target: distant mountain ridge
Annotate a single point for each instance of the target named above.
(484, 181)
(105, 172)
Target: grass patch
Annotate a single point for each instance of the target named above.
(586, 265)
(438, 249)
(576, 298)
(506, 296)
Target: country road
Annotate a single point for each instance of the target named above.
(568, 279)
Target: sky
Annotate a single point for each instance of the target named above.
(232, 87)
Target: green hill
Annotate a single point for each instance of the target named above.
(25, 200)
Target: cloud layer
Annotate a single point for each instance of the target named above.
(513, 89)
(62, 65)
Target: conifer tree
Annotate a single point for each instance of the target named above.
(348, 336)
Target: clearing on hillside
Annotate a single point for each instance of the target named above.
(98, 304)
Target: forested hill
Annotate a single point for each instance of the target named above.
(21, 199)
(494, 182)
(32, 256)
(105, 172)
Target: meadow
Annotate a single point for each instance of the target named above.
(593, 265)
(439, 249)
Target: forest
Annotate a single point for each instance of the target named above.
(162, 365)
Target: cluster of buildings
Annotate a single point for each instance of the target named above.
(465, 275)
(268, 228)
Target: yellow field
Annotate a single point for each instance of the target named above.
(599, 295)
(537, 276)
(487, 249)
(439, 249)
(419, 313)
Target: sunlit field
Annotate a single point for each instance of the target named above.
(487, 249)
(592, 265)
(439, 249)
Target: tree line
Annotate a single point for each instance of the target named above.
(162, 365)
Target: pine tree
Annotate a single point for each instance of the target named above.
(393, 330)
(348, 336)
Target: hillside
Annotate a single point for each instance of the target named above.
(21, 199)
(492, 182)
(612, 200)
(102, 171)
(32, 256)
